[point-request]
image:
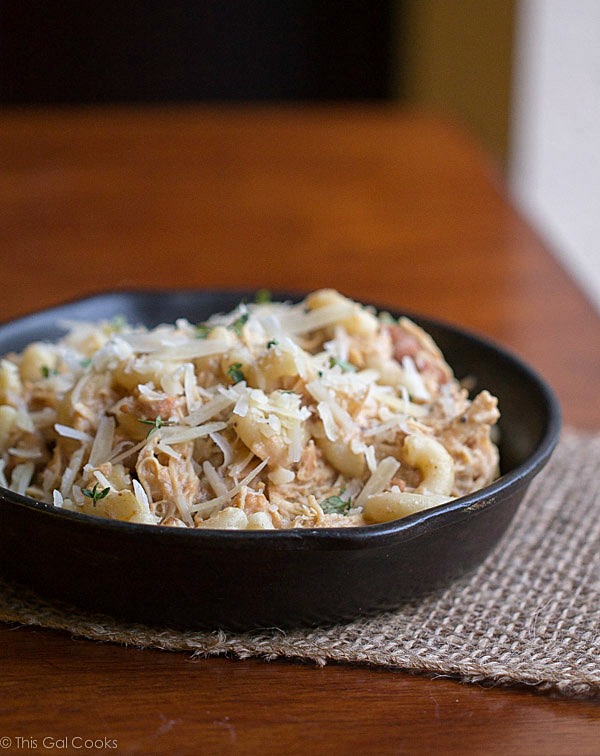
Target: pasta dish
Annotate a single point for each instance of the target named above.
(277, 415)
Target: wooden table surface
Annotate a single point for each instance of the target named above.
(397, 208)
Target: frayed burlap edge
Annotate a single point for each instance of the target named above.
(529, 616)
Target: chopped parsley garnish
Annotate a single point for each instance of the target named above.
(347, 367)
(272, 343)
(335, 505)
(202, 330)
(235, 372)
(263, 296)
(119, 322)
(85, 362)
(239, 323)
(157, 423)
(94, 494)
(47, 372)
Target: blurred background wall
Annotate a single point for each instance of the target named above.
(554, 168)
(523, 76)
(456, 57)
(68, 51)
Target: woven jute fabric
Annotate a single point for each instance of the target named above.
(530, 615)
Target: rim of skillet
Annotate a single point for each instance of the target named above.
(381, 534)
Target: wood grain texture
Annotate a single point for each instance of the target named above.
(397, 208)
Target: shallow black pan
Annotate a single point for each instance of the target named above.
(244, 580)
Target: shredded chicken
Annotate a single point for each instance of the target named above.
(319, 414)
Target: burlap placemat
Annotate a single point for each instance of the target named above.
(530, 615)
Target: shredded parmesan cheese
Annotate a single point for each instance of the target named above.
(275, 415)
(67, 432)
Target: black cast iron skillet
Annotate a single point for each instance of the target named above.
(243, 580)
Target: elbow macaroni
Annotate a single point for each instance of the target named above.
(317, 414)
(434, 463)
(393, 505)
